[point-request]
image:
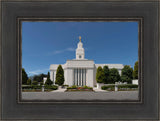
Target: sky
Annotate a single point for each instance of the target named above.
(45, 43)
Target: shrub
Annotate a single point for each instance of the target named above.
(114, 76)
(106, 75)
(135, 71)
(41, 83)
(111, 87)
(100, 76)
(127, 74)
(72, 87)
(24, 76)
(59, 75)
(34, 83)
(128, 86)
(32, 87)
(86, 87)
(53, 87)
(48, 81)
(65, 85)
(29, 82)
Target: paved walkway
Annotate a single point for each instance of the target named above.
(120, 95)
(99, 90)
(59, 90)
(63, 90)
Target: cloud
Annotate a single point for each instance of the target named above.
(70, 49)
(38, 71)
(61, 51)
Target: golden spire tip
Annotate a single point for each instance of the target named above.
(80, 38)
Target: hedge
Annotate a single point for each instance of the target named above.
(32, 87)
(128, 86)
(53, 87)
(119, 86)
(107, 87)
(72, 87)
(39, 87)
(75, 87)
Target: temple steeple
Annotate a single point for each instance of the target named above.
(80, 50)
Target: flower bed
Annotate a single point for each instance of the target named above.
(76, 88)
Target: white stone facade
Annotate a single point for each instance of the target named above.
(80, 71)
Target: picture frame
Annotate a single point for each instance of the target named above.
(139, 20)
(145, 109)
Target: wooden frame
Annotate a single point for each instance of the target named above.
(148, 52)
(139, 20)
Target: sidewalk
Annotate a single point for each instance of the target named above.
(99, 90)
(59, 90)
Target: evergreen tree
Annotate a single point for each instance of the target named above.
(127, 74)
(24, 76)
(106, 74)
(100, 75)
(114, 76)
(29, 82)
(48, 81)
(135, 71)
(39, 78)
(59, 75)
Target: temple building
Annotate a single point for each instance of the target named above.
(80, 71)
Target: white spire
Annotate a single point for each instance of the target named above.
(80, 50)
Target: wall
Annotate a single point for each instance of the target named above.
(89, 77)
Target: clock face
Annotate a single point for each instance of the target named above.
(79, 56)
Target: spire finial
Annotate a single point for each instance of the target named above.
(80, 38)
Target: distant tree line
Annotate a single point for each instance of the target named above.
(38, 79)
(110, 76)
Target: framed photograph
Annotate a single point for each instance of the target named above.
(80, 60)
(80, 79)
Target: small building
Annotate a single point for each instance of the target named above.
(80, 71)
(135, 81)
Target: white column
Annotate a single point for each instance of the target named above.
(78, 77)
(81, 77)
(73, 76)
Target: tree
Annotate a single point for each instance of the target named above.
(29, 82)
(127, 74)
(106, 74)
(39, 78)
(24, 76)
(114, 76)
(135, 71)
(100, 75)
(59, 75)
(34, 83)
(48, 81)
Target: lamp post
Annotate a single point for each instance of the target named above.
(42, 88)
(116, 86)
